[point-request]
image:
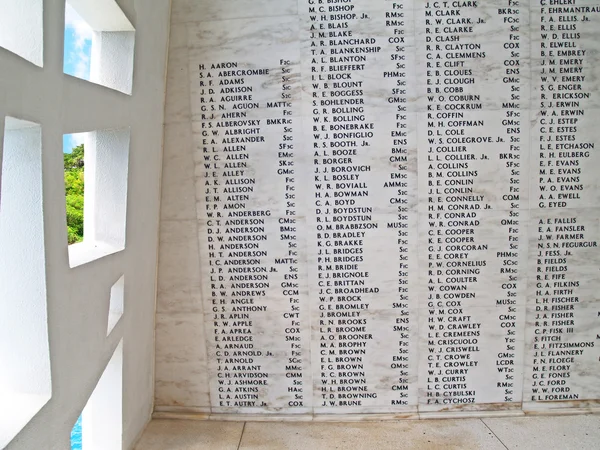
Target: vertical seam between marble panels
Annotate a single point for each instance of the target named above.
(242, 436)
(418, 208)
(201, 262)
(304, 144)
(529, 192)
(495, 435)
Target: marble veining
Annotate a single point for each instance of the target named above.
(379, 209)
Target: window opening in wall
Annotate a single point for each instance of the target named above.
(100, 425)
(78, 45)
(25, 379)
(99, 43)
(73, 156)
(96, 174)
(21, 28)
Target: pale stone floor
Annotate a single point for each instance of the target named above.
(539, 432)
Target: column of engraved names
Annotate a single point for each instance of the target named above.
(288, 229)
(235, 240)
(513, 160)
(471, 149)
(342, 134)
(400, 185)
(563, 307)
(243, 238)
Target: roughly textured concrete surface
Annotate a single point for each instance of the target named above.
(531, 433)
(545, 433)
(404, 435)
(191, 435)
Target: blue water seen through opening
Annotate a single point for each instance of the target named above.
(76, 435)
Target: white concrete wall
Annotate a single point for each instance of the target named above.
(21, 28)
(23, 315)
(25, 382)
(78, 298)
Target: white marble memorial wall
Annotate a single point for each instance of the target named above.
(379, 207)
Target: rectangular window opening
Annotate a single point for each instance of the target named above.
(99, 44)
(78, 44)
(73, 158)
(96, 172)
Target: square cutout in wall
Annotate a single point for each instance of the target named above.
(25, 377)
(105, 170)
(99, 44)
(22, 29)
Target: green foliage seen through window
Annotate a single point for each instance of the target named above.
(74, 192)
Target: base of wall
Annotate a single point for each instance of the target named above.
(139, 435)
(202, 414)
